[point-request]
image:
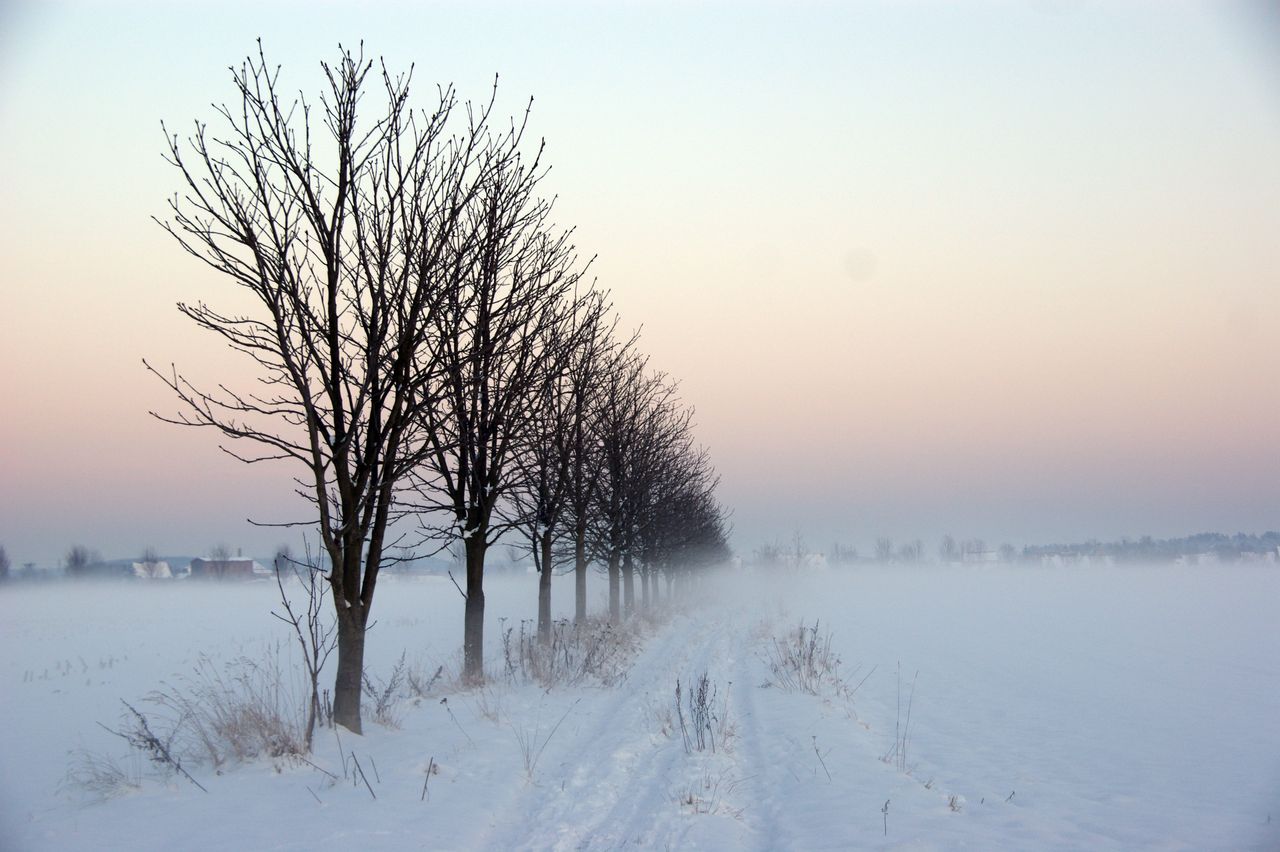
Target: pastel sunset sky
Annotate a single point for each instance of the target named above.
(994, 269)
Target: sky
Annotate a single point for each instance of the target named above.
(991, 269)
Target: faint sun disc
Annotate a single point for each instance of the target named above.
(860, 265)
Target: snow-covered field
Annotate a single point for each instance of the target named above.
(1108, 709)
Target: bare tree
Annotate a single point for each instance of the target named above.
(589, 375)
(683, 528)
(768, 555)
(884, 549)
(645, 439)
(496, 347)
(150, 564)
(78, 560)
(4, 564)
(342, 231)
(283, 558)
(552, 466)
(696, 534)
(798, 549)
(217, 565)
(669, 478)
(842, 554)
(314, 633)
(948, 551)
(627, 388)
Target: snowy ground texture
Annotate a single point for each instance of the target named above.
(1115, 709)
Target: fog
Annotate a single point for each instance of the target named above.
(1116, 707)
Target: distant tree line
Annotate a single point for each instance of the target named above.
(433, 359)
(1225, 548)
(1216, 546)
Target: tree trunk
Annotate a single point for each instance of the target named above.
(644, 590)
(628, 585)
(473, 623)
(580, 578)
(615, 614)
(346, 688)
(312, 714)
(544, 592)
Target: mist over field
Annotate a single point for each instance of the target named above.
(1117, 708)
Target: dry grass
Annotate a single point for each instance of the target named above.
(707, 795)
(594, 652)
(801, 660)
(103, 777)
(533, 741)
(385, 695)
(488, 703)
(703, 716)
(240, 711)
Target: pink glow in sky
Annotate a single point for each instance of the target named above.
(998, 270)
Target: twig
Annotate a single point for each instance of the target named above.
(356, 761)
(820, 760)
(445, 702)
(530, 746)
(376, 776)
(885, 811)
(897, 724)
(864, 680)
(456, 586)
(341, 753)
(554, 729)
(313, 794)
(145, 740)
(430, 766)
(319, 768)
(906, 729)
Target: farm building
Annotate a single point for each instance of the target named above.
(227, 569)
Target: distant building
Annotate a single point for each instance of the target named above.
(158, 570)
(227, 569)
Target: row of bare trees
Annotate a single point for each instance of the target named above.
(430, 353)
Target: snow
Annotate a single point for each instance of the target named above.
(1103, 708)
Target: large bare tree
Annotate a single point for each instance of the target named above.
(344, 227)
(503, 329)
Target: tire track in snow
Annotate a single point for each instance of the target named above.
(763, 814)
(617, 766)
(658, 819)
